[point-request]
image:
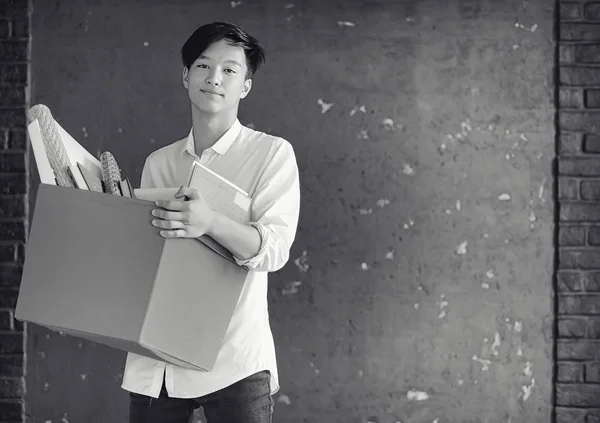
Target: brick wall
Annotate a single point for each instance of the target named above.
(14, 57)
(578, 345)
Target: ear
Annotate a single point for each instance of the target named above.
(185, 77)
(247, 88)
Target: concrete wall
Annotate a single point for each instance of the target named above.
(425, 248)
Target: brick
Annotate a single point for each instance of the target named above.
(571, 236)
(594, 233)
(591, 281)
(12, 231)
(569, 372)
(20, 28)
(20, 253)
(593, 327)
(587, 53)
(572, 327)
(17, 139)
(13, 162)
(592, 11)
(10, 275)
(570, 281)
(14, 8)
(579, 259)
(12, 206)
(579, 32)
(579, 304)
(13, 74)
(591, 143)
(6, 320)
(5, 28)
(578, 349)
(569, 11)
(570, 415)
(11, 343)
(579, 166)
(12, 96)
(18, 326)
(568, 188)
(592, 372)
(10, 118)
(592, 99)
(571, 98)
(14, 51)
(586, 121)
(12, 410)
(579, 212)
(571, 75)
(590, 190)
(8, 297)
(12, 366)
(15, 183)
(12, 387)
(577, 395)
(571, 143)
(13, 140)
(566, 54)
(8, 252)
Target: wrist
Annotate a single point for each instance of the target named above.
(213, 222)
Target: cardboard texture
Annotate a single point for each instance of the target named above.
(97, 269)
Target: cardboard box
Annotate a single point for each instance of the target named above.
(96, 268)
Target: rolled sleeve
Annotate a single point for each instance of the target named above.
(275, 211)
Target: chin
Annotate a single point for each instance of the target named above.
(206, 107)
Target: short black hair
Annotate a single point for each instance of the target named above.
(208, 34)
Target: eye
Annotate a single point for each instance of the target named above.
(229, 70)
(202, 65)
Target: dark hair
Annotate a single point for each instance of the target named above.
(208, 34)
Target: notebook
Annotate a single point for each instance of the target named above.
(221, 194)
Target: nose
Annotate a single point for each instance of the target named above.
(214, 77)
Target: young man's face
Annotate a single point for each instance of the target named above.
(216, 81)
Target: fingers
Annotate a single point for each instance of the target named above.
(177, 233)
(168, 224)
(171, 215)
(172, 205)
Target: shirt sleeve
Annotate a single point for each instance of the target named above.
(146, 179)
(275, 211)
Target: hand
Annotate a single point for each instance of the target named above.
(190, 218)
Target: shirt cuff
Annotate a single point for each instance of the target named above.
(266, 239)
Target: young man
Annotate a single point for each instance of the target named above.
(219, 61)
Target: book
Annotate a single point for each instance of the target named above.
(93, 182)
(221, 194)
(77, 177)
(126, 188)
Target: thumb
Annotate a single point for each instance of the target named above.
(190, 193)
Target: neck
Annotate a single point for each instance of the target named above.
(208, 128)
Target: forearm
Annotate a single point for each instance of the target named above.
(243, 241)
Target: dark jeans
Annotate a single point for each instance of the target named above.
(246, 401)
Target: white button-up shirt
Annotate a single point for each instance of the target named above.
(265, 167)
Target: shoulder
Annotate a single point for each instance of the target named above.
(166, 152)
(272, 144)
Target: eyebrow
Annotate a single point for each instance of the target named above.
(235, 62)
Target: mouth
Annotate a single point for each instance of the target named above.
(211, 93)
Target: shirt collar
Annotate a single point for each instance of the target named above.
(222, 144)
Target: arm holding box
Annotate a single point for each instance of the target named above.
(275, 210)
(261, 245)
